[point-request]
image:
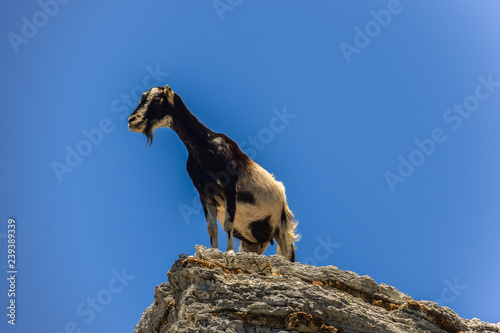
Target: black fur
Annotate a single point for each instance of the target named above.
(262, 230)
(238, 235)
(245, 197)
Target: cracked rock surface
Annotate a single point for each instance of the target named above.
(245, 292)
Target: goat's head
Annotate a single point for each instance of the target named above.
(154, 110)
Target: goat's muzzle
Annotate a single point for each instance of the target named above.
(136, 124)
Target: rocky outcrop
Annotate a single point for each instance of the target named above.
(245, 292)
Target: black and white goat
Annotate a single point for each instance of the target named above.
(249, 203)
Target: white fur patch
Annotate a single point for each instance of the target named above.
(269, 197)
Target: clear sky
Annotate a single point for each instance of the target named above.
(380, 117)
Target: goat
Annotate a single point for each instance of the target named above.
(249, 203)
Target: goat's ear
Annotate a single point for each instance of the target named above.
(167, 90)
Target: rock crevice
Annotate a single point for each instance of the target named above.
(245, 292)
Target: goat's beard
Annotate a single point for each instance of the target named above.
(148, 132)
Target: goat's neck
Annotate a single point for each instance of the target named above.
(195, 136)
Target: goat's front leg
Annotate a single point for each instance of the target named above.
(230, 194)
(211, 216)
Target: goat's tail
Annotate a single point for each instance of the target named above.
(286, 236)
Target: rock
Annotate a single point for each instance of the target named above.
(245, 292)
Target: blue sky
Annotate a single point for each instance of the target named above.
(387, 142)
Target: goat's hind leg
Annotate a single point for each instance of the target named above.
(285, 248)
(211, 216)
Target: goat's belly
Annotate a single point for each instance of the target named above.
(251, 223)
